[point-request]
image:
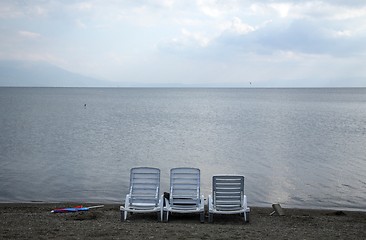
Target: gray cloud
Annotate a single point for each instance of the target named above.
(309, 37)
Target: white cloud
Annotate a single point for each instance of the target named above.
(346, 14)
(29, 35)
(209, 8)
(198, 38)
(186, 41)
(80, 24)
(281, 8)
(8, 10)
(84, 6)
(239, 27)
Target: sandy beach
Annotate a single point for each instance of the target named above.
(35, 221)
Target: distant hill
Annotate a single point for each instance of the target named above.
(40, 74)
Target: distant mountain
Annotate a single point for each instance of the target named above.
(40, 74)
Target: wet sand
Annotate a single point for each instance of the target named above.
(35, 221)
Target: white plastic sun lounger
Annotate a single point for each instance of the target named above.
(228, 197)
(144, 194)
(185, 194)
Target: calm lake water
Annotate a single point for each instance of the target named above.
(298, 147)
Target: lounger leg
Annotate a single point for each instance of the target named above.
(165, 216)
(210, 217)
(161, 217)
(125, 215)
(202, 217)
(246, 217)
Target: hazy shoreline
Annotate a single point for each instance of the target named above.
(35, 221)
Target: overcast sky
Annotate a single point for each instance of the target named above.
(205, 42)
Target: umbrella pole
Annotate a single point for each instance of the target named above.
(98, 206)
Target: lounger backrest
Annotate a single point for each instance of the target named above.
(184, 186)
(228, 192)
(145, 185)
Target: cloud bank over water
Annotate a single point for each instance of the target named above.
(201, 42)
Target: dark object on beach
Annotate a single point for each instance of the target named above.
(166, 197)
(277, 209)
(337, 213)
(82, 216)
(340, 213)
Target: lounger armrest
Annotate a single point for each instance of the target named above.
(127, 201)
(210, 203)
(245, 204)
(202, 202)
(161, 201)
(157, 192)
(170, 195)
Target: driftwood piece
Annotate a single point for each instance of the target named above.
(277, 209)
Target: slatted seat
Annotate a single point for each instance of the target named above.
(228, 196)
(185, 194)
(144, 192)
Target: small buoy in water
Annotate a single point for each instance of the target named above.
(85, 105)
